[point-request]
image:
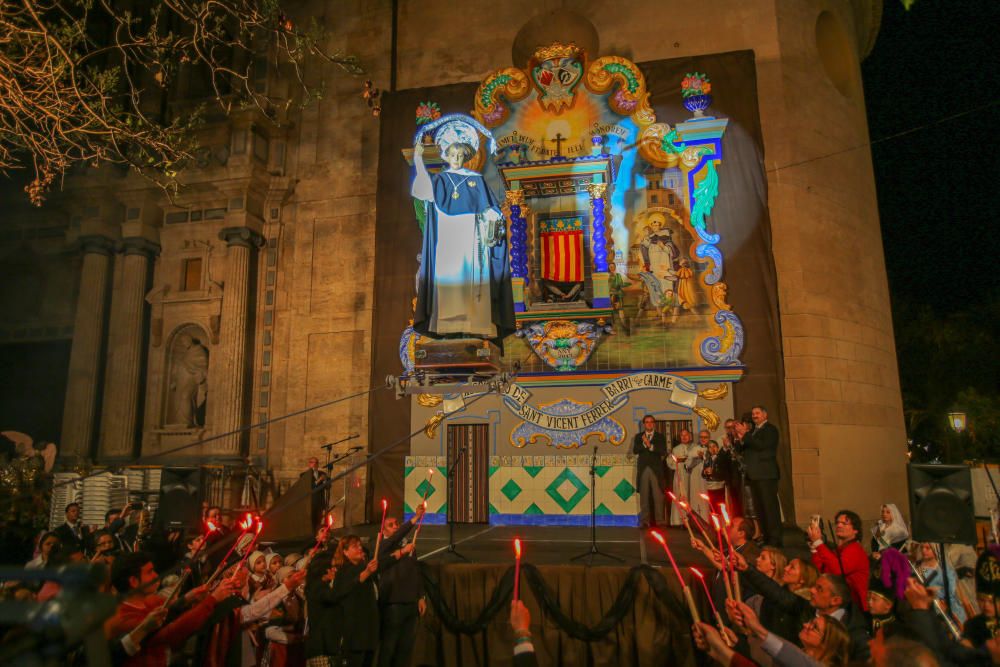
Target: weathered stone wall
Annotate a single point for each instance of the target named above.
(310, 284)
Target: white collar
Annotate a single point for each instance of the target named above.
(461, 171)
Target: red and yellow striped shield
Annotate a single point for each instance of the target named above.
(562, 249)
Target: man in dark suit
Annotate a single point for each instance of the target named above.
(650, 475)
(760, 464)
(318, 497)
(73, 534)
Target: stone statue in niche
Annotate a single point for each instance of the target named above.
(188, 389)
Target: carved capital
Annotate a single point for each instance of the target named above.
(597, 190)
(96, 244)
(515, 197)
(139, 245)
(242, 236)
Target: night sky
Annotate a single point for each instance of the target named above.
(937, 187)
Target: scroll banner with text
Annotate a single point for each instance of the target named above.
(681, 392)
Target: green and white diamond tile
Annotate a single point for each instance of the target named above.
(549, 485)
(418, 482)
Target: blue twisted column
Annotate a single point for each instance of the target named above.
(599, 245)
(518, 248)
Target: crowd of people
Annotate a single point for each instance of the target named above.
(901, 602)
(841, 597)
(218, 598)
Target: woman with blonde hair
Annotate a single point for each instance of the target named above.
(799, 577)
(825, 641)
(772, 562)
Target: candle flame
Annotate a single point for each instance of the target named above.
(725, 513)
(430, 472)
(424, 504)
(683, 504)
(385, 504)
(699, 574)
(715, 522)
(658, 537)
(211, 527)
(260, 526)
(705, 497)
(329, 521)
(517, 547)
(671, 494)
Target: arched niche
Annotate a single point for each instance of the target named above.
(186, 392)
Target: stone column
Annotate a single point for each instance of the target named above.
(122, 390)
(230, 398)
(80, 407)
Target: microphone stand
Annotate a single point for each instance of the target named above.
(451, 506)
(594, 551)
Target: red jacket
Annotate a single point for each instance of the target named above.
(155, 647)
(856, 568)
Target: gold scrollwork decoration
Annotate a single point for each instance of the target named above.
(510, 83)
(431, 427)
(429, 400)
(597, 190)
(515, 197)
(651, 146)
(716, 393)
(719, 292)
(631, 98)
(708, 417)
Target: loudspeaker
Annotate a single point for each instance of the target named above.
(941, 508)
(180, 498)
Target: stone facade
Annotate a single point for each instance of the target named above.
(281, 223)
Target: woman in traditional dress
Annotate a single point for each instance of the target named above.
(463, 285)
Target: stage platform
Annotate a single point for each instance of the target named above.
(549, 545)
(595, 612)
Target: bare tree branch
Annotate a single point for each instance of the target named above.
(83, 81)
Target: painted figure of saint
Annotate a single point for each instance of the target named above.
(659, 253)
(463, 286)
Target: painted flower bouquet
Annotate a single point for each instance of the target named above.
(695, 84)
(427, 112)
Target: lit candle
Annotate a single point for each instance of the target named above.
(684, 587)
(517, 568)
(722, 552)
(687, 509)
(246, 524)
(715, 611)
(420, 523)
(381, 528)
(732, 570)
(253, 542)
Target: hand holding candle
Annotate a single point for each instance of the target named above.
(517, 568)
(715, 611)
(722, 552)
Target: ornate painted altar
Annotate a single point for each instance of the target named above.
(618, 285)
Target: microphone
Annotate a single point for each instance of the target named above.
(354, 449)
(328, 446)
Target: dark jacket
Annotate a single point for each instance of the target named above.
(760, 453)
(324, 620)
(651, 459)
(356, 608)
(789, 603)
(70, 540)
(399, 580)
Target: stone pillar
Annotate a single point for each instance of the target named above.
(126, 342)
(85, 356)
(230, 398)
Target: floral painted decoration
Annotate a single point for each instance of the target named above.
(427, 112)
(695, 84)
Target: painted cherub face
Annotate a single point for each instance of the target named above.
(656, 222)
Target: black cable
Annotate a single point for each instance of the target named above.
(145, 459)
